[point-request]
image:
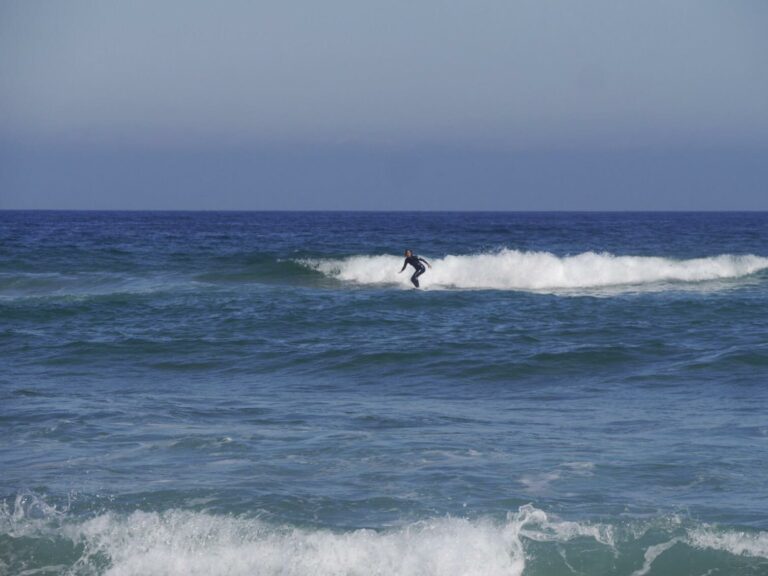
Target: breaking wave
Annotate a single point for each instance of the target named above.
(38, 539)
(540, 271)
(186, 542)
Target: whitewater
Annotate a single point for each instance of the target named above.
(199, 543)
(508, 269)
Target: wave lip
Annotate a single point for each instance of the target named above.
(540, 271)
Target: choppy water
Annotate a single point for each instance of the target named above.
(262, 393)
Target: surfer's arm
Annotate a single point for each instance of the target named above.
(404, 265)
(425, 262)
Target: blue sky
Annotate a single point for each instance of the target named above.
(527, 105)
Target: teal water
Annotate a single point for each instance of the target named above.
(262, 393)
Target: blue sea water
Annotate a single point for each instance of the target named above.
(263, 393)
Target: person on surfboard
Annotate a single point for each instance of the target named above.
(416, 262)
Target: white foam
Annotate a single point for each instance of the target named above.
(650, 556)
(539, 271)
(537, 526)
(734, 542)
(199, 543)
(180, 542)
(192, 543)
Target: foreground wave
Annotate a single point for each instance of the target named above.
(39, 539)
(540, 271)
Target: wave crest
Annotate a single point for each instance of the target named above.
(540, 271)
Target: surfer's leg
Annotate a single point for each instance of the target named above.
(415, 277)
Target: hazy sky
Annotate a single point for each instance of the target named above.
(384, 105)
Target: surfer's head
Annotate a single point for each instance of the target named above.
(408, 253)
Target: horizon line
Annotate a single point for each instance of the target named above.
(373, 211)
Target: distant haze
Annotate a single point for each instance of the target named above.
(389, 105)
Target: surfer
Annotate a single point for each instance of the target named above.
(416, 262)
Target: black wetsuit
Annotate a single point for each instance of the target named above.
(416, 262)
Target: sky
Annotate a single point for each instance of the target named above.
(419, 105)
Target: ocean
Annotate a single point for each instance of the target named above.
(261, 393)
